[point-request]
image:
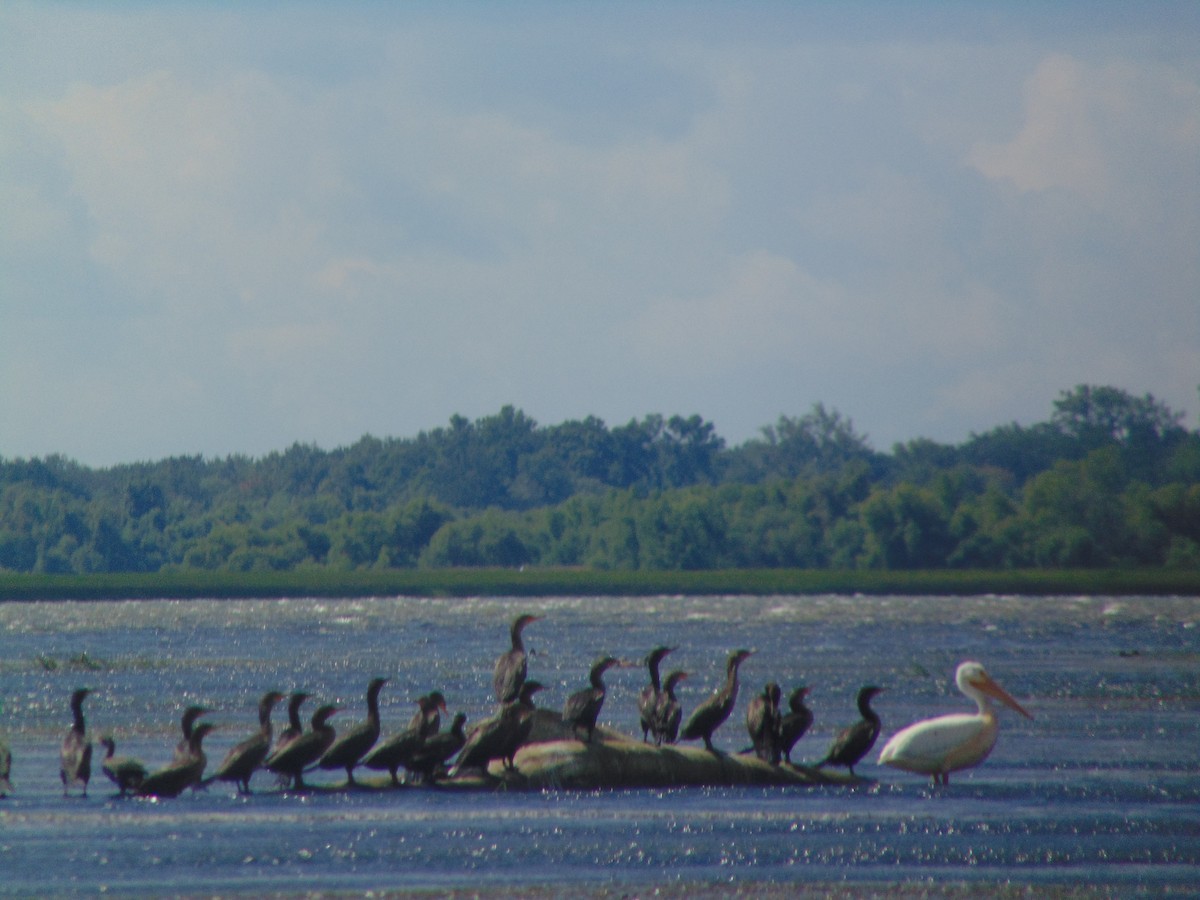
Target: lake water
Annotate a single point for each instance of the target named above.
(1100, 791)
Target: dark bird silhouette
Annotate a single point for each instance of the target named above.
(292, 760)
(125, 772)
(651, 693)
(795, 722)
(762, 723)
(436, 749)
(174, 779)
(399, 749)
(244, 759)
(294, 727)
(75, 757)
(501, 736)
(187, 722)
(709, 715)
(353, 745)
(669, 713)
(511, 667)
(6, 787)
(854, 742)
(582, 708)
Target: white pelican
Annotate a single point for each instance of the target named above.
(947, 744)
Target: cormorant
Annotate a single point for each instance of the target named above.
(438, 748)
(511, 667)
(854, 742)
(648, 699)
(243, 760)
(6, 787)
(295, 728)
(292, 760)
(795, 722)
(501, 736)
(175, 778)
(399, 748)
(75, 758)
(762, 723)
(669, 713)
(708, 716)
(186, 723)
(346, 751)
(583, 707)
(125, 772)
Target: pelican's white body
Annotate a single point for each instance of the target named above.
(948, 744)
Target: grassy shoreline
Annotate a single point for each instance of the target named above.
(536, 582)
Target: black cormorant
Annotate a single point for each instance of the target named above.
(795, 722)
(511, 667)
(398, 749)
(292, 760)
(6, 787)
(437, 748)
(854, 742)
(353, 745)
(583, 707)
(125, 772)
(762, 723)
(175, 778)
(708, 716)
(75, 757)
(243, 760)
(501, 736)
(294, 727)
(649, 697)
(186, 723)
(669, 713)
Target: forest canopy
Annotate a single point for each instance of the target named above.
(1108, 480)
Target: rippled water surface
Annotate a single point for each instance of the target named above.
(1100, 789)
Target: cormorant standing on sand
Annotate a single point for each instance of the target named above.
(511, 667)
(187, 722)
(854, 742)
(501, 736)
(172, 780)
(582, 708)
(243, 760)
(651, 693)
(709, 715)
(795, 722)
(669, 713)
(762, 723)
(125, 772)
(292, 760)
(353, 745)
(75, 757)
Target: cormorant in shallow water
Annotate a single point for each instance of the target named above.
(708, 716)
(125, 772)
(582, 708)
(243, 760)
(292, 760)
(795, 722)
(346, 751)
(511, 667)
(762, 723)
(75, 757)
(669, 713)
(651, 693)
(172, 780)
(855, 741)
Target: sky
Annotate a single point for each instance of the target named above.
(227, 228)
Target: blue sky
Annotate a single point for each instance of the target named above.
(227, 229)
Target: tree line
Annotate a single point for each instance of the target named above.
(1109, 480)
